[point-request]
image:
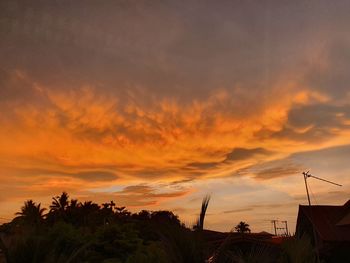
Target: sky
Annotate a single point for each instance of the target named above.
(154, 104)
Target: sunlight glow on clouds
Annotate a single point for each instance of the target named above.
(156, 105)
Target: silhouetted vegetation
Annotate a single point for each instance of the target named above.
(242, 227)
(73, 231)
(200, 222)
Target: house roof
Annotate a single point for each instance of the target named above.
(331, 222)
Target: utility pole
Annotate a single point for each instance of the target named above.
(286, 224)
(306, 176)
(274, 225)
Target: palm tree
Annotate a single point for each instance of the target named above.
(107, 212)
(58, 208)
(59, 203)
(242, 227)
(72, 212)
(74, 204)
(31, 212)
(200, 221)
(89, 212)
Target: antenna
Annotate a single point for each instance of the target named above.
(308, 175)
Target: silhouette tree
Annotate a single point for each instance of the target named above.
(122, 212)
(143, 215)
(107, 212)
(242, 227)
(111, 204)
(165, 217)
(59, 203)
(58, 208)
(90, 213)
(80, 232)
(31, 213)
(72, 212)
(74, 204)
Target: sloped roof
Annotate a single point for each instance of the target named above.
(331, 222)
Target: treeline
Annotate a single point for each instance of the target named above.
(70, 231)
(73, 231)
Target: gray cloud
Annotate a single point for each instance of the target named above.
(326, 159)
(96, 176)
(333, 79)
(137, 195)
(202, 166)
(237, 210)
(91, 176)
(238, 154)
(310, 123)
(168, 48)
(179, 182)
(278, 171)
(165, 49)
(147, 191)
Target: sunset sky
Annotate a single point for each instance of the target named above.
(154, 104)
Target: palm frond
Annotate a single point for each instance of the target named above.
(200, 221)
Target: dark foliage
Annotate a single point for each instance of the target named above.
(74, 231)
(242, 227)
